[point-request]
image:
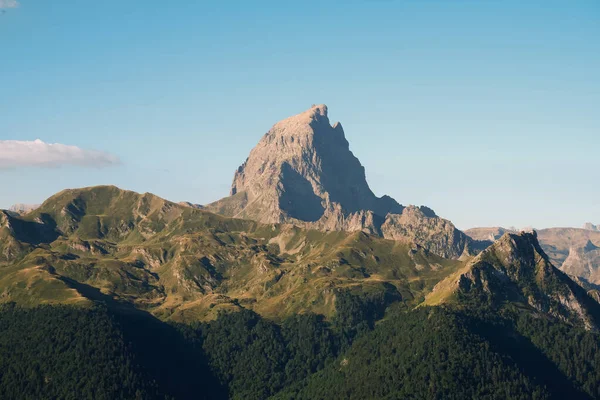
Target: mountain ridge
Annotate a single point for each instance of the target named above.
(107, 244)
(515, 269)
(573, 250)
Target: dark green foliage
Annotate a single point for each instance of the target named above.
(424, 354)
(428, 353)
(171, 356)
(247, 353)
(61, 352)
(574, 352)
(356, 312)
(310, 345)
(444, 354)
(67, 353)
(256, 358)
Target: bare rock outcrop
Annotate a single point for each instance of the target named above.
(515, 269)
(23, 208)
(417, 225)
(591, 227)
(584, 262)
(303, 172)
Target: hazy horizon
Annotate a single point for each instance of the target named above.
(483, 111)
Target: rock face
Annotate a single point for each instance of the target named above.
(584, 262)
(303, 172)
(421, 225)
(492, 234)
(303, 169)
(515, 269)
(591, 227)
(575, 251)
(23, 208)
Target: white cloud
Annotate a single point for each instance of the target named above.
(8, 4)
(19, 153)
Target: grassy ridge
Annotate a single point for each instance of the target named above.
(182, 263)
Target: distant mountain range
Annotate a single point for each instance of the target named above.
(23, 208)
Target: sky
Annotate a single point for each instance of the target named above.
(486, 111)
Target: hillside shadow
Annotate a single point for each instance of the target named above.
(298, 199)
(176, 363)
(33, 232)
(530, 359)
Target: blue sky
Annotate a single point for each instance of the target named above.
(486, 111)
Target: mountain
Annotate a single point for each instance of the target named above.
(102, 279)
(301, 285)
(490, 234)
(572, 250)
(20, 208)
(506, 325)
(591, 227)
(192, 205)
(558, 242)
(515, 270)
(303, 172)
(177, 262)
(593, 290)
(584, 262)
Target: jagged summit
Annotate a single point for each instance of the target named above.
(302, 171)
(515, 269)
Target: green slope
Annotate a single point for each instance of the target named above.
(442, 353)
(104, 243)
(515, 272)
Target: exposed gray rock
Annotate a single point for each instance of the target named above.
(418, 225)
(303, 172)
(23, 208)
(573, 250)
(584, 262)
(302, 169)
(491, 234)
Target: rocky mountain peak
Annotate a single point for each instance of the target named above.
(591, 227)
(515, 269)
(302, 171)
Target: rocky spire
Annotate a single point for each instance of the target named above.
(302, 171)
